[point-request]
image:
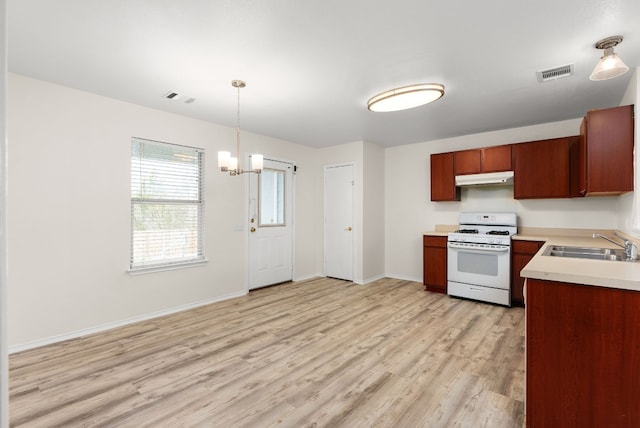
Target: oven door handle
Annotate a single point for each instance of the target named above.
(455, 246)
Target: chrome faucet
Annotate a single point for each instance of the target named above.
(630, 248)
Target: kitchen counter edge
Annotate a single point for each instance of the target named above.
(602, 273)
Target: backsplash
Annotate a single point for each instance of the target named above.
(585, 213)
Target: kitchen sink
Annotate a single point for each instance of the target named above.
(585, 253)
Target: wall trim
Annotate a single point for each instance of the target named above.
(369, 280)
(307, 277)
(109, 326)
(404, 278)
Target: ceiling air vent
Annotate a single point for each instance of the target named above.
(174, 96)
(170, 95)
(555, 73)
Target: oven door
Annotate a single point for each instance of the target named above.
(487, 266)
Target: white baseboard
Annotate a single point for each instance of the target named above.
(100, 328)
(404, 278)
(307, 277)
(368, 280)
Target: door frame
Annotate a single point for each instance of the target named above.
(356, 227)
(247, 214)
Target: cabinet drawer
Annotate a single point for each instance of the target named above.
(434, 241)
(526, 247)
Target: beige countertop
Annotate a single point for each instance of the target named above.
(603, 273)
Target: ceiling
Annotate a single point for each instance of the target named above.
(310, 66)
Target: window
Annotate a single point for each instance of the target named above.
(271, 197)
(166, 205)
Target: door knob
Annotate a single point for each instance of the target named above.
(253, 229)
(348, 229)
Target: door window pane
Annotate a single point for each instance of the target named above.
(271, 198)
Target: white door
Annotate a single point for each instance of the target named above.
(271, 225)
(338, 221)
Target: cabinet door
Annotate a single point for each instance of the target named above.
(521, 254)
(467, 162)
(443, 185)
(609, 150)
(435, 263)
(582, 359)
(496, 159)
(541, 168)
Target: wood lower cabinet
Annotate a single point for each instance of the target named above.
(604, 160)
(443, 185)
(521, 253)
(542, 168)
(582, 356)
(434, 263)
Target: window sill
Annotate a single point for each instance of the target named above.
(162, 268)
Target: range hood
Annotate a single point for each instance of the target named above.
(487, 179)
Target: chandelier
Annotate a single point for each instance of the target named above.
(228, 163)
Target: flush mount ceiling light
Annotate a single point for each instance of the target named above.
(610, 65)
(406, 97)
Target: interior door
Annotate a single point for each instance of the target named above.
(271, 225)
(338, 221)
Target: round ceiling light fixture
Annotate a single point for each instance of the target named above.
(406, 97)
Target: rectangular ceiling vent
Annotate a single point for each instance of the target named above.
(170, 95)
(174, 96)
(555, 73)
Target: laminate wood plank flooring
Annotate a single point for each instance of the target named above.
(317, 353)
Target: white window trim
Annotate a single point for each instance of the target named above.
(168, 265)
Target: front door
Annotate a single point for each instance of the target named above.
(271, 224)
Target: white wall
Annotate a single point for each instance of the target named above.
(373, 207)
(4, 370)
(410, 212)
(629, 205)
(69, 213)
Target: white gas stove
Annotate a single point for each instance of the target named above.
(479, 257)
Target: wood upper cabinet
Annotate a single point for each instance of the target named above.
(443, 185)
(603, 162)
(582, 355)
(467, 162)
(521, 254)
(487, 159)
(542, 168)
(434, 263)
(496, 159)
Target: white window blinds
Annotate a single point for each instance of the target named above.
(166, 204)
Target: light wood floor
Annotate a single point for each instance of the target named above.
(316, 353)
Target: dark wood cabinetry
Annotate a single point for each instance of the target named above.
(521, 253)
(597, 162)
(603, 162)
(434, 263)
(487, 159)
(583, 356)
(467, 162)
(541, 168)
(443, 185)
(496, 159)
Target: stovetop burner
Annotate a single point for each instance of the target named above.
(467, 231)
(498, 232)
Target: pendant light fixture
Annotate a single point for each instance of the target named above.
(610, 65)
(228, 163)
(406, 97)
